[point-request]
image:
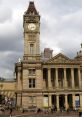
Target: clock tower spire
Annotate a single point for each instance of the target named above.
(31, 27)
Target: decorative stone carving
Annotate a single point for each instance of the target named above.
(60, 58)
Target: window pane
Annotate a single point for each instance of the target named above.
(30, 80)
(31, 83)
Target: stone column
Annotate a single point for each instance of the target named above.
(72, 77)
(57, 102)
(79, 77)
(80, 101)
(54, 78)
(49, 101)
(65, 79)
(49, 78)
(18, 100)
(56, 81)
(66, 102)
(73, 100)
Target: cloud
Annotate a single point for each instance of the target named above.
(5, 14)
(63, 29)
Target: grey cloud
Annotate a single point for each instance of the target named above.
(10, 59)
(59, 7)
(12, 44)
(7, 63)
(5, 14)
(11, 38)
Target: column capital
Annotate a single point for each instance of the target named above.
(48, 68)
(66, 94)
(64, 68)
(73, 94)
(57, 94)
(79, 68)
(49, 94)
(56, 68)
(72, 68)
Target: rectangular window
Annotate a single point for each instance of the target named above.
(31, 71)
(31, 83)
(31, 48)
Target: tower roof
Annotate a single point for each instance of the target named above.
(31, 9)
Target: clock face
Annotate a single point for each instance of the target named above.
(31, 26)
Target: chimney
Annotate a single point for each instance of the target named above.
(48, 53)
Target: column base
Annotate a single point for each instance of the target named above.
(58, 109)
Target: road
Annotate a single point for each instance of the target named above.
(33, 114)
(48, 115)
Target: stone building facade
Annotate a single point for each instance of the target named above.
(7, 88)
(45, 82)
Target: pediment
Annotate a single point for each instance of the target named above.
(59, 58)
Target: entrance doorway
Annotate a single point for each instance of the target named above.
(61, 101)
(54, 100)
(70, 101)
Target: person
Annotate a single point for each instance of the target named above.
(10, 112)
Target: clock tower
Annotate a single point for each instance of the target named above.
(31, 26)
(28, 71)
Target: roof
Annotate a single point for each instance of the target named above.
(31, 9)
(60, 59)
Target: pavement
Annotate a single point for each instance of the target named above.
(34, 114)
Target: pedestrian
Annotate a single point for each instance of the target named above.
(10, 112)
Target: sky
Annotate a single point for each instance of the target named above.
(60, 29)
